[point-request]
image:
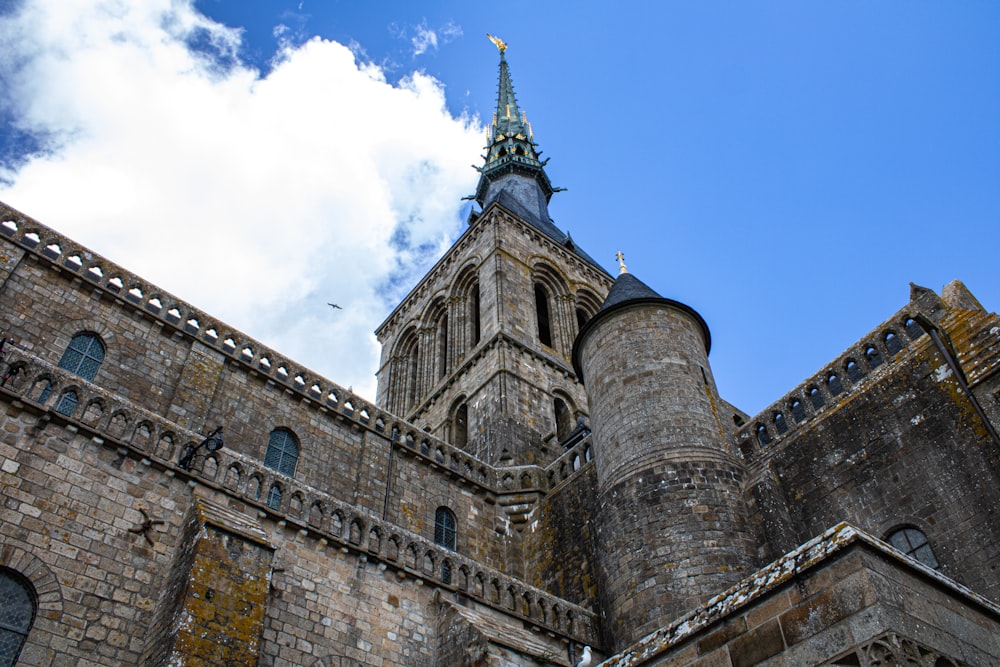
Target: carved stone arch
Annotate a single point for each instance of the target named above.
(550, 300)
(166, 445)
(317, 513)
(337, 523)
(234, 475)
(356, 531)
(43, 388)
(118, 423)
(478, 586)
(142, 434)
(14, 374)
(410, 559)
(406, 379)
(374, 540)
(564, 413)
(464, 579)
(435, 321)
(458, 422)
(93, 412)
(392, 548)
(587, 305)
(296, 504)
(467, 298)
(48, 591)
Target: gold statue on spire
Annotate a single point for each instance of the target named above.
(621, 262)
(499, 43)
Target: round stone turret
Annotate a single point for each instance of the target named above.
(672, 523)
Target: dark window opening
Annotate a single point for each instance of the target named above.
(739, 421)
(873, 357)
(282, 452)
(475, 314)
(892, 343)
(780, 424)
(542, 314)
(443, 346)
(834, 384)
(816, 398)
(581, 318)
(444, 528)
(913, 329)
(853, 370)
(564, 419)
(763, 437)
(460, 438)
(914, 544)
(798, 411)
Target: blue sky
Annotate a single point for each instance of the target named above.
(785, 168)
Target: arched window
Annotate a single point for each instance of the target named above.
(474, 323)
(834, 384)
(274, 497)
(460, 428)
(67, 403)
(564, 419)
(914, 544)
(892, 343)
(816, 398)
(853, 370)
(444, 528)
(17, 613)
(83, 356)
(282, 452)
(542, 315)
(913, 328)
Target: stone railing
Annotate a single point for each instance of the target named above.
(838, 381)
(115, 423)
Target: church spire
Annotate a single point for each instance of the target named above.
(513, 173)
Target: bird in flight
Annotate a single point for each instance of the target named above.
(333, 305)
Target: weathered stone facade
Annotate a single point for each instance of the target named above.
(519, 490)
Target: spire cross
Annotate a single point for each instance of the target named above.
(621, 262)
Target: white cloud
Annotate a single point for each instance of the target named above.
(424, 39)
(258, 200)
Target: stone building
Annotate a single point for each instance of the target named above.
(548, 465)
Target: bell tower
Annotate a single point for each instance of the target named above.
(479, 351)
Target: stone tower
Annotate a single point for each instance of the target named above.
(672, 527)
(479, 352)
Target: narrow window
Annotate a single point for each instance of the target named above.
(67, 403)
(474, 319)
(282, 452)
(873, 357)
(780, 423)
(762, 435)
(17, 614)
(274, 497)
(853, 370)
(460, 438)
(444, 528)
(816, 398)
(83, 356)
(914, 544)
(564, 419)
(581, 318)
(542, 314)
(892, 343)
(798, 411)
(442, 346)
(833, 383)
(913, 329)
